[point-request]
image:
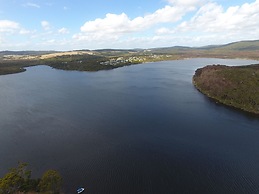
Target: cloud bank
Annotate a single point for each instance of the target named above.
(114, 26)
(8, 26)
(189, 22)
(210, 23)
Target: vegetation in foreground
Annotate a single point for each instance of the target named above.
(233, 86)
(18, 180)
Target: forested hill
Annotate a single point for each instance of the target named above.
(234, 46)
(33, 53)
(242, 49)
(233, 86)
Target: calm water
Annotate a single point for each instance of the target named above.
(138, 129)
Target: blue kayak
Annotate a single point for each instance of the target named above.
(80, 190)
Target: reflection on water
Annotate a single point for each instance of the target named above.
(138, 129)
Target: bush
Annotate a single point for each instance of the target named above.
(50, 182)
(18, 180)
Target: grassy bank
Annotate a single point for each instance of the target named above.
(233, 86)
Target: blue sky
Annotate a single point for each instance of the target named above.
(80, 24)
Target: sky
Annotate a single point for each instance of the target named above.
(123, 24)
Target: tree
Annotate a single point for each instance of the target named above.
(50, 182)
(18, 180)
(15, 180)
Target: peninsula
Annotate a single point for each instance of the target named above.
(237, 86)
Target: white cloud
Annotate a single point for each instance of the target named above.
(63, 31)
(214, 24)
(187, 3)
(24, 32)
(114, 26)
(111, 23)
(1, 40)
(114, 23)
(207, 22)
(45, 25)
(10, 33)
(236, 20)
(210, 23)
(31, 5)
(9, 26)
(163, 30)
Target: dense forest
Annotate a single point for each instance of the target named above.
(233, 86)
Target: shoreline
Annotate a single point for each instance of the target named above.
(218, 102)
(225, 91)
(8, 67)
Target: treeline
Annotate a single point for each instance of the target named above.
(15, 66)
(70, 62)
(77, 62)
(18, 181)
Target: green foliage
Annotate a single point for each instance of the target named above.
(18, 180)
(77, 62)
(233, 86)
(50, 182)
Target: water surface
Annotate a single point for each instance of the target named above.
(137, 129)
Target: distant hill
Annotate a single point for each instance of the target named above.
(234, 46)
(241, 49)
(115, 50)
(240, 46)
(250, 45)
(174, 49)
(2, 53)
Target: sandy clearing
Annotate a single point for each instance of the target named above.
(47, 56)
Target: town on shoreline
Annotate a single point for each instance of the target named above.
(105, 59)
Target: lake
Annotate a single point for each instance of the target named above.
(132, 130)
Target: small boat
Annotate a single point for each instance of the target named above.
(80, 190)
